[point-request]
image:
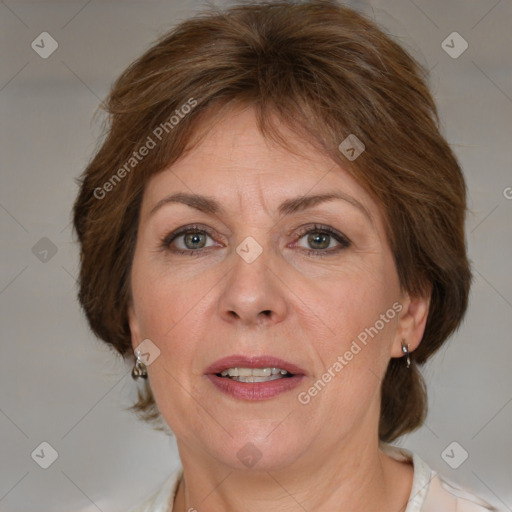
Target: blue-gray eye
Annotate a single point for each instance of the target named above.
(319, 238)
(187, 240)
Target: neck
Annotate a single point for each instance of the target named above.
(339, 480)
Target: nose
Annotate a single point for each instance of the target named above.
(252, 293)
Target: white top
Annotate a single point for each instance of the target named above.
(430, 491)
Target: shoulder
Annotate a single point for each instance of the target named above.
(161, 500)
(444, 495)
(432, 492)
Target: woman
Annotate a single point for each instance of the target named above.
(274, 226)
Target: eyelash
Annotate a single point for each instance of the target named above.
(315, 228)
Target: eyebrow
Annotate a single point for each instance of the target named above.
(211, 206)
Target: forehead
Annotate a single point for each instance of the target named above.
(235, 141)
(239, 166)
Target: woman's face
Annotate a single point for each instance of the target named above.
(253, 280)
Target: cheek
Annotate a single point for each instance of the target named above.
(355, 355)
(165, 299)
(171, 310)
(358, 310)
(356, 295)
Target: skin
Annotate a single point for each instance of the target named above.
(198, 308)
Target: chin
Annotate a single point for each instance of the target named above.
(265, 449)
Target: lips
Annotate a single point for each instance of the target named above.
(253, 362)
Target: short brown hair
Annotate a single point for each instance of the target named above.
(327, 72)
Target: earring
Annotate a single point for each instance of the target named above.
(405, 350)
(139, 370)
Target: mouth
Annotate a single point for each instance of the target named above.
(242, 368)
(254, 378)
(254, 374)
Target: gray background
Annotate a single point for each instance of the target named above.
(61, 386)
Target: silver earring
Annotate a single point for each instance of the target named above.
(405, 350)
(139, 370)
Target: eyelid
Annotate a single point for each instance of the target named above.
(323, 228)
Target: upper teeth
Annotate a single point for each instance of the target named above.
(255, 372)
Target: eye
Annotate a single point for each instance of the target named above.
(187, 240)
(323, 240)
(192, 240)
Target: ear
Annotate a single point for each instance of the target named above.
(134, 326)
(412, 320)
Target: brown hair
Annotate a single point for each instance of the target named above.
(326, 72)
